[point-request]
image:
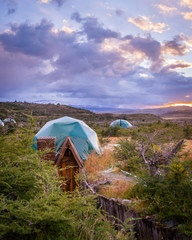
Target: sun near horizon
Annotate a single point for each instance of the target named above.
(181, 104)
(171, 105)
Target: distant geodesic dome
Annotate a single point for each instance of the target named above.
(83, 137)
(121, 123)
(9, 120)
(1, 123)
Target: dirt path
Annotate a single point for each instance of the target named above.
(116, 176)
(111, 143)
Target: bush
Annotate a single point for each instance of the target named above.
(168, 196)
(33, 206)
(128, 156)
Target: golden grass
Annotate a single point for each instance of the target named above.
(96, 163)
(117, 189)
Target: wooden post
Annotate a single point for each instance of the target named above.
(72, 177)
(64, 173)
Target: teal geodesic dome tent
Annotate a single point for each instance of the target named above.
(121, 123)
(83, 137)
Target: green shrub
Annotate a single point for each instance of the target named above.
(168, 197)
(32, 204)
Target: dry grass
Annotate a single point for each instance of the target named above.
(117, 189)
(96, 163)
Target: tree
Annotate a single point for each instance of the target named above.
(148, 150)
(156, 155)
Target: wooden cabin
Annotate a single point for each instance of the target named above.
(67, 159)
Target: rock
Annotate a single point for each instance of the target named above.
(170, 223)
(119, 200)
(126, 201)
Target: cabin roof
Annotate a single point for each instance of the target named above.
(68, 144)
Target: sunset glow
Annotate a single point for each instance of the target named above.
(181, 104)
(169, 105)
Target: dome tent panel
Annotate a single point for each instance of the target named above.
(121, 123)
(82, 136)
(1, 123)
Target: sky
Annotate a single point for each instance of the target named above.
(113, 54)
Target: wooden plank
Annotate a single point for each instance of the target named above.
(64, 174)
(72, 176)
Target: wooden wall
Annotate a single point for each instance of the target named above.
(44, 143)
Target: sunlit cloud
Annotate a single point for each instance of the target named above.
(186, 3)
(177, 46)
(45, 1)
(58, 2)
(64, 28)
(187, 15)
(47, 67)
(145, 75)
(172, 64)
(146, 24)
(165, 9)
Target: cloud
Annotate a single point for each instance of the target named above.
(187, 15)
(176, 46)
(186, 3)
(34, 40)
(176, 65)
(59, 3)
(166, 10)
(17, 72)
(93, 29)
(11, 11)
(145, 24)
(149, 46)
(117, 11)
(11, 5)
(105, 69)
(146, 47)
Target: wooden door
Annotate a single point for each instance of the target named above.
(69, 170)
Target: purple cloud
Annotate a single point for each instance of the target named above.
(149, 46)
(175, 47)
(36, 61)
(11, 5)
(11, 11)
(32, 40)
(119, 12)
(59, 2)
(93, 29)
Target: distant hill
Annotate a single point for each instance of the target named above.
(44, 112)
(179, 114)
(156, 111)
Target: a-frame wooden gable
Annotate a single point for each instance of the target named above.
(70, 162)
